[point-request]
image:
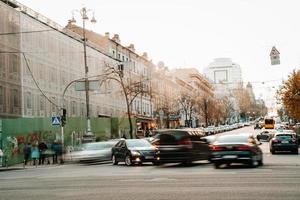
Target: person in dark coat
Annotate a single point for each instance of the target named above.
(56, 147)
(27, 153)
(42, 149)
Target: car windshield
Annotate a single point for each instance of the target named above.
(232, 139)
(284, 137)
(138, 143)
(97, 146)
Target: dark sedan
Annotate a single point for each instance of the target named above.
(284, 141)
(133, 151)
(241, 148)
(265, 135)
(181, 146)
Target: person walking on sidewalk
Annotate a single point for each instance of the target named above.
(27, 153)
(35, 154)
(42, 149)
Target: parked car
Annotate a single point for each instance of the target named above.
(265, 135)
(240, 148)
(284, 141)
(133, 151)
(181, 146)
(93, 152)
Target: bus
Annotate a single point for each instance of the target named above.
(269, 123)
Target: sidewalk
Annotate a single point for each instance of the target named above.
(20, 166)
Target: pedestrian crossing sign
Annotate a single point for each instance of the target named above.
(56, 120)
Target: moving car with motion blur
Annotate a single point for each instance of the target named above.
(236, 148)
(93, 152)
(133, 151)
(265, 135)
(284, 141)
(181, 146)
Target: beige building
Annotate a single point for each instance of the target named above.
(38, 64)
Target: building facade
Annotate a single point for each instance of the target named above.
(40, 59)
(224, 71)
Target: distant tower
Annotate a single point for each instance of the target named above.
(250, 92)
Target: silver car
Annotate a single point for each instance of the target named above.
(93, 152)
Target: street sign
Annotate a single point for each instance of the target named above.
(56, 120)
(93, 85)
(275, 57)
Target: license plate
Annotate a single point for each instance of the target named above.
(149, 157)
(284, 142)
(230, 156)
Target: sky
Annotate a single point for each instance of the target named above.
(191, 33)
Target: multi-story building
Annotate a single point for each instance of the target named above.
(137, 69)
(224, 71)
(226, 76)
(169, 86)
(39, 59)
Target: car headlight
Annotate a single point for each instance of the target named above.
(135, 153)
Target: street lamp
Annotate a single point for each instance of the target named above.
(89, 136)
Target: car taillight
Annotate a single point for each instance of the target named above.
(216, 148)
(243, 148)
(274, 140)
(186, 142)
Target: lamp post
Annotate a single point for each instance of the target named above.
(89, 136)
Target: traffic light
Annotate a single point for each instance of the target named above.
(64, 117)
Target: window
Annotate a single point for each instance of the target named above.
(1, 95)
(82, 109)
(2, 65)
(73, 108)
(28, 100)
(42, 103)
(13, 68)
(53, 107)
(119, 56)
(15, 98)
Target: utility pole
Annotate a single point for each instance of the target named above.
(88, 136)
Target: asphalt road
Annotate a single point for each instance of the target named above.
(278, 179)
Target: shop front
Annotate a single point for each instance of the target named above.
(143, 125)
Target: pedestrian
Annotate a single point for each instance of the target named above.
(27, 152)
(42, 149)
(35, 154)
(56, 147)
(147, 132)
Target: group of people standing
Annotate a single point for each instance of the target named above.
(39, 152)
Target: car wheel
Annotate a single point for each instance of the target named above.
(114, 160)
(156, 163)
(217, 165)
(272, 151)
(253, 162)
(187, 163)
(296, 151)
(128, 161)
(261, 162)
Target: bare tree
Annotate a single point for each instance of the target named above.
(243, 97)
(187, 103)
(131, 88)
(206, 108)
